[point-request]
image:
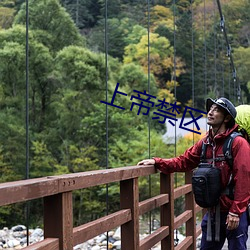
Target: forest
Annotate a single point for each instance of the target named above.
(56, 69)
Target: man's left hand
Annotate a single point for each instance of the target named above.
(232, 222)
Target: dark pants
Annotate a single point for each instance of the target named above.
(237, 238)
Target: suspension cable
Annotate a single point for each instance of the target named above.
(215, 53)
(222, 68)
(174, 59)
(149, 123)
(205, 51)
(192, 76)
(107, 120)
(77, 13)
(229, 53)
(175, 94)
(27, 207)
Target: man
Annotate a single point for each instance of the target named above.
(233, 212)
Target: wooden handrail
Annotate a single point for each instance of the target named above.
(24, 190)
(58, 208)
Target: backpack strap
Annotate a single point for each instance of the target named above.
(203, 152)
(203, 155)
(227, 151)
(227, 148)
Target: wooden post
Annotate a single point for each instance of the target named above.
(167, 210)
(58, 219)
(129, 197)
(190, 205)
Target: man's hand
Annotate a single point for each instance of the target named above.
(232, 221)
(146, 162)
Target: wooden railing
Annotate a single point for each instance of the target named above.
(59, 232)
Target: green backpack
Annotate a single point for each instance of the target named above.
(243, 119)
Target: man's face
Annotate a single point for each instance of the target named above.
(215, 116)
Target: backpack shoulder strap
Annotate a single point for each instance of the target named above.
(227, 148)
(203, 152)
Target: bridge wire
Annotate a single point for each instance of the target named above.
(222, 68)
(175, 94)
(229, 55)
(215, 53)
(205, 50)
(107, 120)
(229, 83)
(27, 206)
(149, 123)
(77, 13)
(174, 74)
(192, 77)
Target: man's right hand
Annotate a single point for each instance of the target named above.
(146, 162)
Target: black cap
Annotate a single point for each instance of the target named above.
(223, 103)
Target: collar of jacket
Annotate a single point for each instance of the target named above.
(221, 136)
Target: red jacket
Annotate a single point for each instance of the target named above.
(241, 167)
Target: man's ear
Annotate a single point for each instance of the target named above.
(227, 118)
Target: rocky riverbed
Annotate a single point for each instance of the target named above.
(16, 238)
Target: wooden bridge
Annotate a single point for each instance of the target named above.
(56, 192)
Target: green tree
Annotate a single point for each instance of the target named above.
(13, 60)
(42, 163)
(6, 17)
(136, 34)
(132, 77)
(242, 64)
(12, 113)
(84, 13)
(161, 57)
(117, 32)
(78, 77)
(13, 148)
(53, 25)
(237, 20)
(161, 16)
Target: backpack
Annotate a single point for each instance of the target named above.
(243, 120)
(206, 179)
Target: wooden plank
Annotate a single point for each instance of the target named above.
(58, 219)
(198, 209)
(185, 244)
(178, 192)
(98, 177)
(46, 244)
(167, 210)
(24, 190)
(90, 230)
(154, 238)
(129, 196)
(190, 205)
(152, 203)
(198, 231)
(182, 218)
